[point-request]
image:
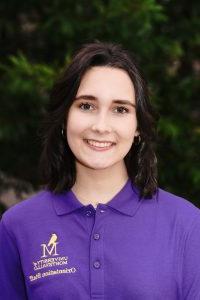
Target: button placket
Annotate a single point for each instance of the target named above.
(97, 255)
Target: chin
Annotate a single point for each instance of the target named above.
(96, 166)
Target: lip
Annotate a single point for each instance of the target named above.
(99, 148)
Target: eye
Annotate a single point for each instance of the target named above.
(85, 106)
(122, 109)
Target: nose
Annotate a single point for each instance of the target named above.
(101, 124)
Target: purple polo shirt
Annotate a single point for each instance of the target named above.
(53, 247)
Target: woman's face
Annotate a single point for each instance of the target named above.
(101, 122)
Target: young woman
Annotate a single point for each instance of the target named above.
(101, 229)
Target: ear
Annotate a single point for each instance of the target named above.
(137, 133)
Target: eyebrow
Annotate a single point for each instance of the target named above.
(93, 98)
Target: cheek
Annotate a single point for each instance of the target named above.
(76, 125)
(127, 129)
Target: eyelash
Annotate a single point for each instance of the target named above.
(126, 110)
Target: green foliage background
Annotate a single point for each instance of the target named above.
(39, 37)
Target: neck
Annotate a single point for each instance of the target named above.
(98, 186)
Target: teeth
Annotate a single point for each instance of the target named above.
(98, 144)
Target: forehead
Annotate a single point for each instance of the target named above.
(107, 81)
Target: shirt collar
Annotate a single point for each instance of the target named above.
(126, 201)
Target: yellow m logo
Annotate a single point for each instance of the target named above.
(51, 247)
(50, 250)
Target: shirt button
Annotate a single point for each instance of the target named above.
(96, 236)
(88, 213)
(97, 264)
(102, 211)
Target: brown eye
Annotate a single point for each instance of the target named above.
(122, 109)
(85, 106)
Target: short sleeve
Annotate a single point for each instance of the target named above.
(191, 264)
(12, 285)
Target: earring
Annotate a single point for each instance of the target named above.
(62, 132)
(137, 140)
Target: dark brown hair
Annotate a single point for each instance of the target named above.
(57, 162)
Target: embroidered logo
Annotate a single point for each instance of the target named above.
(50, 258)
(51, 247)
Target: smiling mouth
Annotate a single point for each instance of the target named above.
(99, 145)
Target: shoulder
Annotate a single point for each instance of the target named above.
(31, 208)
(169, 200)
(178, 209)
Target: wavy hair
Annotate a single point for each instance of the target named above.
(57, 162)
